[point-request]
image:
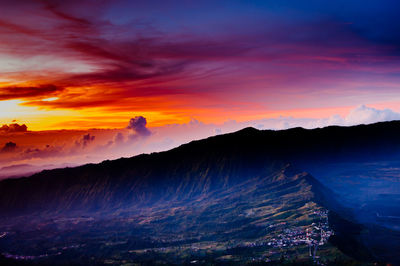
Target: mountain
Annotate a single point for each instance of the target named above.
(249, 196)
(197, 167)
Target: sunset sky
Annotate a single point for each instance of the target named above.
(76, 72)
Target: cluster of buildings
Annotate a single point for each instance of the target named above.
(317, 233)
(285, 236)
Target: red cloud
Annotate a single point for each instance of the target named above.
(11, 128)
(41, 91)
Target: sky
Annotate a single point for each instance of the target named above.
(83, 81)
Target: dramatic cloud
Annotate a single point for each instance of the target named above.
(14, 127)
(138, 126)
(9, 147)
(235, 64)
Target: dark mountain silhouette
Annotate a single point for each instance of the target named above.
(218, 189)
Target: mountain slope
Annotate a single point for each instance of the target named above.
(238, 196)
(195, 168)
(270, 211)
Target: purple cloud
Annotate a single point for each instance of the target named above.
(138, 125)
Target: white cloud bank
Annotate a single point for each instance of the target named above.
(368, 115)
(359, 115)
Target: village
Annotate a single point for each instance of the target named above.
(287, 236)
(280, 240)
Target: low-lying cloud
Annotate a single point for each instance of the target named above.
(9, 147)
(43, 152)
(367, 115)
(85, 141)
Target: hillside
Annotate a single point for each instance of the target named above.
(235, 197)
(233, 221)
(196, 167)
